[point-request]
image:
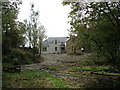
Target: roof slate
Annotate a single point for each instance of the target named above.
(60, 39)
(51, 39)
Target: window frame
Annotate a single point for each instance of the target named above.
(56, 49)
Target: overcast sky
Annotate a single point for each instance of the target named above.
(53, 15)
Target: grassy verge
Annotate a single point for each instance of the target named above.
(32, 79)
(107, 73)
(91, 68)
(54, 68)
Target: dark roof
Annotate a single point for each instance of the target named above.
(51, 39)
(60, 39)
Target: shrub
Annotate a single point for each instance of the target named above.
(6, 58)
(20, 56)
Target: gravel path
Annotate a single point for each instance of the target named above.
(53, 59)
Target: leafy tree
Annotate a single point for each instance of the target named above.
(28, 33)
(22, 33)
(17, 34)
(35, 32)
(98, 26)
(10, 33)
(13, 36)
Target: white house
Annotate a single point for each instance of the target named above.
(54, 45)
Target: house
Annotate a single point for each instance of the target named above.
(54, 45)
(74, 47)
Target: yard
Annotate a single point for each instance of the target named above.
(63, 71)
(91, 27)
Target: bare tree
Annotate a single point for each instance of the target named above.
(41, 37)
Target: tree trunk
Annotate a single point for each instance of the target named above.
(40, 49)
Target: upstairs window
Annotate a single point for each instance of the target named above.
(55, 41)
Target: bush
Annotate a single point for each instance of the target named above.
(6, 58)
(19, 56)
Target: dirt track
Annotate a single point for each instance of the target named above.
(54, 59)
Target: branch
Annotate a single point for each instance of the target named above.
(108, 17)
(112, 14)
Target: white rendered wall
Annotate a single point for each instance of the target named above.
(51, 48)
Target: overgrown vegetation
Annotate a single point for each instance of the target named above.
(32, 79)
(96, 25)
(67, 75)
(16, 35)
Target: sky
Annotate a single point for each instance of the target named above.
(53, 15)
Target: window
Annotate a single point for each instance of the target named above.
(51, 42)
(55, 41)
(55, 48)
(44, 49)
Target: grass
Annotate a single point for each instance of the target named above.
(59, 83)
(54, 68)
(107, 73)
(41, 79)
(104, 70)
(34, 73)
(7, 64)
(87, 62)
(32, 78)
(91, 68)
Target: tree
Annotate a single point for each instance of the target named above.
(10, 33)
(28, 32)
(41, 37)
(13, 35)
(35, 32)
(32, 29)
(22, 33)
(98, 26)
